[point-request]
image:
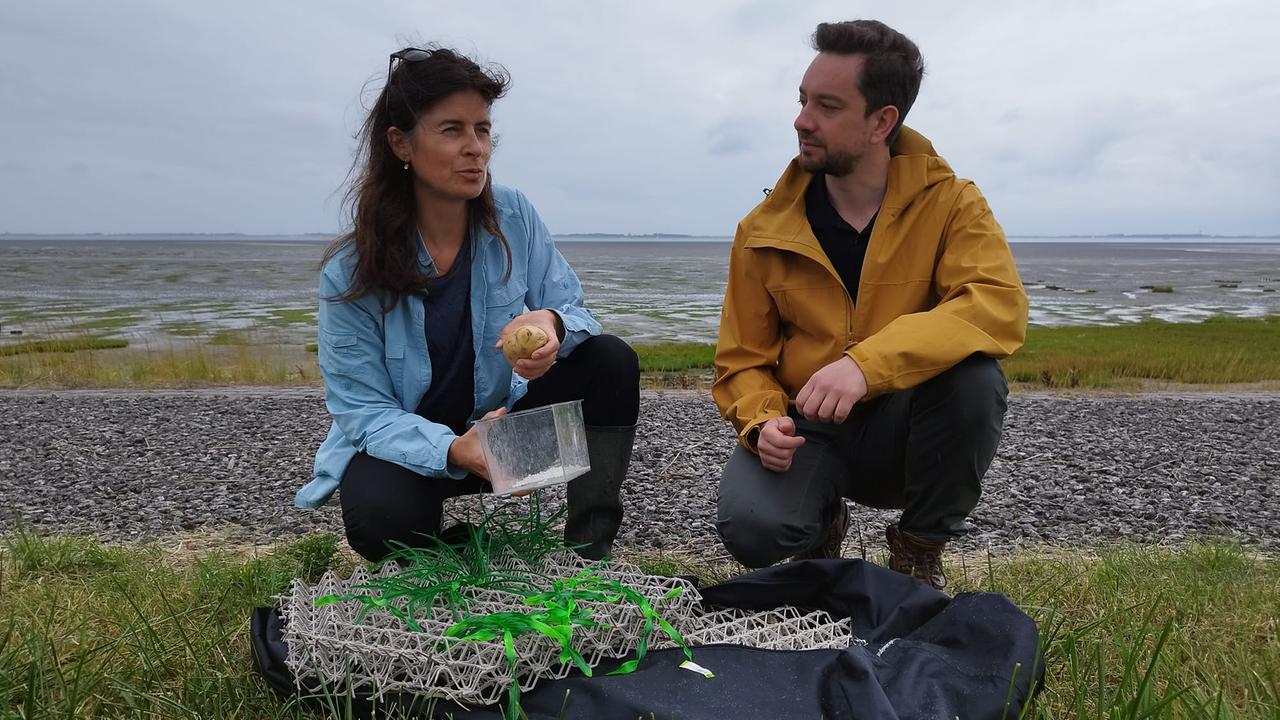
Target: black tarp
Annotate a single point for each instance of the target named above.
(927, 655)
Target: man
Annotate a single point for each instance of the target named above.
(869, 295)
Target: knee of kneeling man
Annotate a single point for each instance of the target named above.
(976, 381)
(753, 544)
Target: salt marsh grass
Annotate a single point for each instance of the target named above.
(675, 357)
(76, 344)
(1214, 353)
(176, 363)
(1143, 632)
(1218, 351)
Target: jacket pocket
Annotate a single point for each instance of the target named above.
(338, 341)
(503, 304)
(340, 354)
(506, 295)
(820, 311)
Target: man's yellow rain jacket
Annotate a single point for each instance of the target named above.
(938, 284)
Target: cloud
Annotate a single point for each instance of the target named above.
(732, 136)
(1109, 117)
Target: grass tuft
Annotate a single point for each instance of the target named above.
(675, 357)
(95, 631)
(68, 345)
(31, 554)
(1150, 632)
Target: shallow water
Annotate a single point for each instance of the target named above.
(263, 289)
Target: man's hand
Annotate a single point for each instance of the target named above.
(537, 365)
(465, 451)
(777, 443)
(832, 392)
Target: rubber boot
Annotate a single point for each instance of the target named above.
(595, 503)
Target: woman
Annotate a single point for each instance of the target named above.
(439, 264)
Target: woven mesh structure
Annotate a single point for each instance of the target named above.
(380, 654)
(783, 629)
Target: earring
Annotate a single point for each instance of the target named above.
(406, 166)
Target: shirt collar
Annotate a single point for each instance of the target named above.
(426, 262)
(822, 214)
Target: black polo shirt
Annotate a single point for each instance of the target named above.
(844, 246)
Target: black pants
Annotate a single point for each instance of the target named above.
(924, 450)
(383, 501)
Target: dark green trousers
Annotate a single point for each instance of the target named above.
(924, 450)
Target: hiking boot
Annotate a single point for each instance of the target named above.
(829, 548)
(918, 557)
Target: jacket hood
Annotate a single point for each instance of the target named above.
(914, 166)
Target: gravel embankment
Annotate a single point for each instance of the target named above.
(131, 465)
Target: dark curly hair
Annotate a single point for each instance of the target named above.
(381, 199)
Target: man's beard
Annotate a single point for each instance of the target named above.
(836, 164)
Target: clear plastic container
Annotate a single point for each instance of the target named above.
(535, 448)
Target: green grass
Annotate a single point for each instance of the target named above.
(177, 364)
(90, 631)
(1216, 352)
(1150, 632)
(675, 357)
(94, 632)
(68, 345)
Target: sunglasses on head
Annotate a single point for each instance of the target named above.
(405, 55)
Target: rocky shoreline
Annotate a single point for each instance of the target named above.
(130, 465)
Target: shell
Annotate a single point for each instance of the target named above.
(521, 342)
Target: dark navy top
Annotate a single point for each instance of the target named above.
(450, 397)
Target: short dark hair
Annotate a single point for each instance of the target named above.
(893, 67)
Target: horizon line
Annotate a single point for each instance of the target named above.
(622, 236)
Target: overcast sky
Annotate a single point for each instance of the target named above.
(633, 117)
